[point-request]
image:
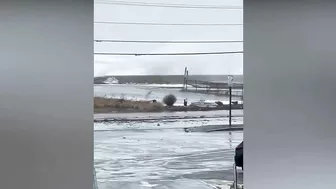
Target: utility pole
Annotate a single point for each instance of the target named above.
(230, 83)
(230, 106)
(185, 78)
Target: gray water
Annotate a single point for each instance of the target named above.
(158, 154)
(140, 92)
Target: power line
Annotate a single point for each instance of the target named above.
(146, 4)
(165, 24)
(145, 41)
(170, 54)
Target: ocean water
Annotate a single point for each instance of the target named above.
(151, 92)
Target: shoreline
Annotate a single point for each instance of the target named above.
(166, 109)
(110, 105)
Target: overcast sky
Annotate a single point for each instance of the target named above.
(168, 65)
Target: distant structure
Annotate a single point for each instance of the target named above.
(220, 88)
(111, 80)
(185, 79)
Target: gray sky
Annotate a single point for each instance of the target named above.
(144, 65)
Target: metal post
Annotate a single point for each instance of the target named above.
(187, 78)
(230, 108)
(230, 84)
(184, 78)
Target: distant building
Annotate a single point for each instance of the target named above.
(111, 80)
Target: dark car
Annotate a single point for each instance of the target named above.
(239, 160)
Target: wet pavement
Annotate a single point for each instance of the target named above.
(167, 115)
(142, 151)
(163, 158)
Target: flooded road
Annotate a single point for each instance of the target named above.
(142, 151)
(169, 115)
(160, 157)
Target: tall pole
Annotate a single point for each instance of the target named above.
(230, 104)
(230, 84)
(187, 76)
(184, 78)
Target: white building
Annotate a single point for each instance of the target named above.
(111, 80)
